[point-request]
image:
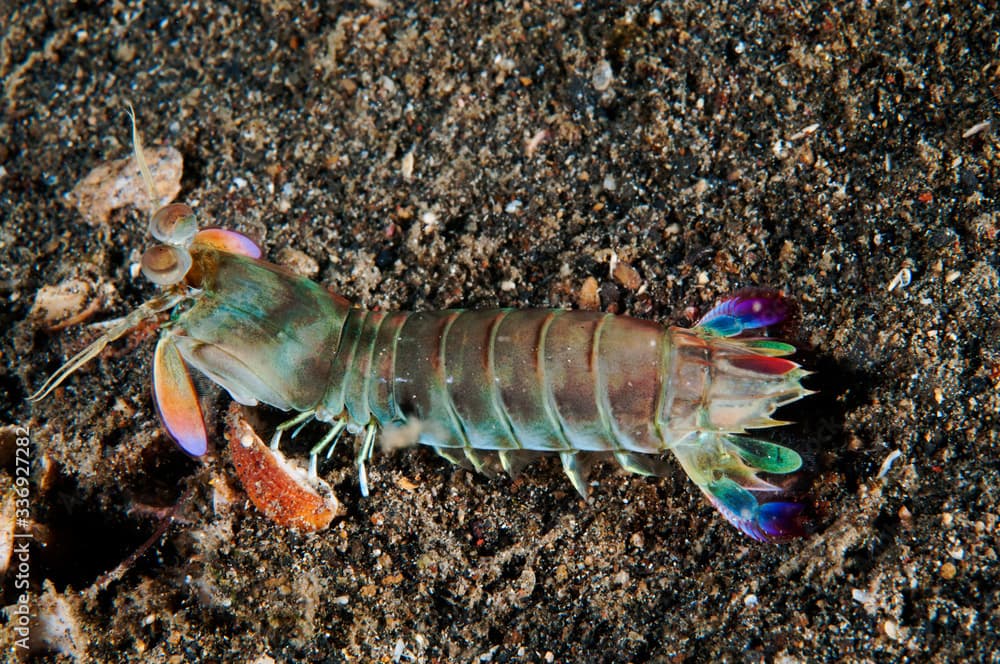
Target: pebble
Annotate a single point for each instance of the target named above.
(627, 276)
(298, 262)
(588, 298)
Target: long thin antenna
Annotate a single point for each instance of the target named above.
(147, 177)
(122, 325)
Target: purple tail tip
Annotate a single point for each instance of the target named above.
(749, 309)
(765, 522)
(781, 520)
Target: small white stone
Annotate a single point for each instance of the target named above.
(602, 76)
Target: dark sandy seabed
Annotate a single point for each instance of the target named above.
(820, 149)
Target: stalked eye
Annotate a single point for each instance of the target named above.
(174, 224)
(165, 265)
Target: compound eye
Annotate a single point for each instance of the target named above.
(165, 265)
(174, 224)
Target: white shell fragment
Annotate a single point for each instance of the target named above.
(406, 167)
(887, 464)
(71, 301)
(977, 128)
(901, 280)
(118, 183)
(55, 304)
(602, 76)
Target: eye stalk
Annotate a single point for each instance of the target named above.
(166, 265)
(174, 224)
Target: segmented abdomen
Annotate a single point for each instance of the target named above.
(541, 380)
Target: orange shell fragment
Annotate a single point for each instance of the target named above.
(281, 489)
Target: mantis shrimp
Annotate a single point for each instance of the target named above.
(483, 388)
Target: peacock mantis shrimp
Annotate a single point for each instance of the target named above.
(483, 388)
